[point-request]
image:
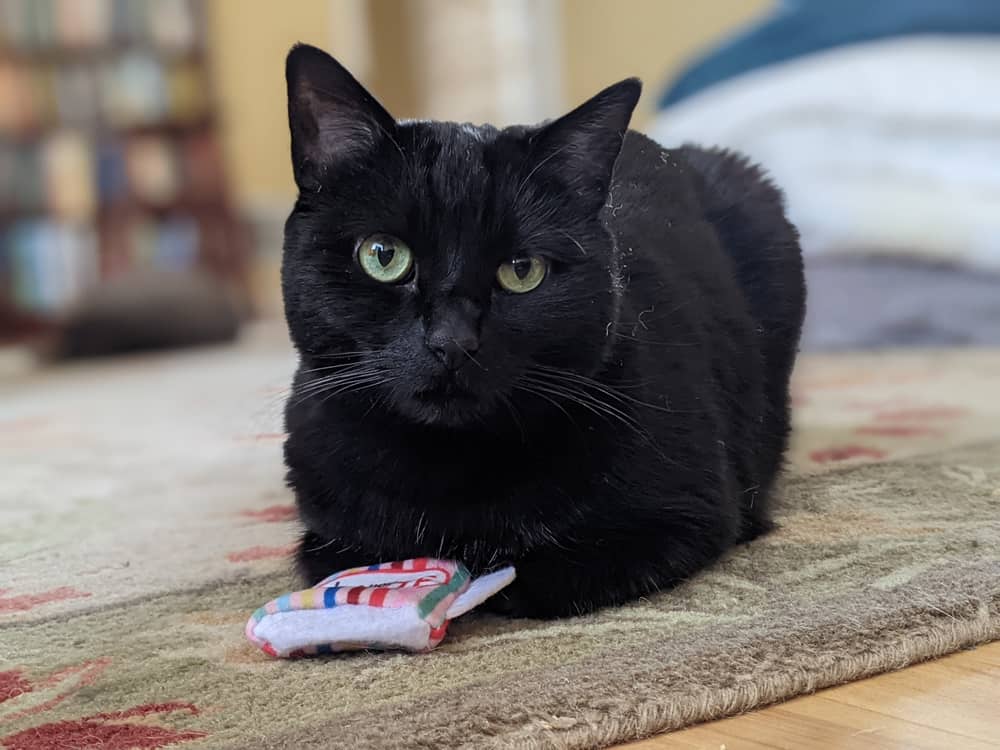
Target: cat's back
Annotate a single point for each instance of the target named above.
(747, 211)
(712, 211)
(652, 191)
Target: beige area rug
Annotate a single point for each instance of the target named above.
(142, 518)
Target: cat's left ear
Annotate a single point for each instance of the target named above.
(333, 119)
(584, 144)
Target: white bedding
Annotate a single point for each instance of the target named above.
(890, 147)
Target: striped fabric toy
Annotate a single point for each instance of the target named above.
(398, 605)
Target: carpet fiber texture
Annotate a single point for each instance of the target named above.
(143, 517)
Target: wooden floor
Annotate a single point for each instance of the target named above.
(949, 704)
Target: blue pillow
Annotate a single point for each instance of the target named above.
(801, 27)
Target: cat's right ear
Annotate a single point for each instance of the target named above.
(333, 119)
(583, 145)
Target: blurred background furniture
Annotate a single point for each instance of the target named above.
(879, 121)
(109, 154)
(141, 136)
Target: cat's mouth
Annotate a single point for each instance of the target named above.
(445, 402)
(444, 392)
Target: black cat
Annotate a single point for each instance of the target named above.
(561, 346)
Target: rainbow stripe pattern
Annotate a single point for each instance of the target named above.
(395, 605)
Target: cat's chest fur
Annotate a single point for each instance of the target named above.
(478, 498)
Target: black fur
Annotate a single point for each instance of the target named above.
(612, 431)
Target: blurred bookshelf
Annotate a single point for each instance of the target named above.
(110, 157)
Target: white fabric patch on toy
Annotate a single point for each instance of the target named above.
(399, 605)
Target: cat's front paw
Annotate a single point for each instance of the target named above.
(506, 603)
(317, 558)
(520, 601)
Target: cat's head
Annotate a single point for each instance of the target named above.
(436, 265)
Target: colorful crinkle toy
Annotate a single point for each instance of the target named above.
(399, 605)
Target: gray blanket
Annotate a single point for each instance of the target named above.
(858, 303)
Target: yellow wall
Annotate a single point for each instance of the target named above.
(249, 41)
(603, 41)
(606, 41)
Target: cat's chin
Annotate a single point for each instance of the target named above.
(456, 410)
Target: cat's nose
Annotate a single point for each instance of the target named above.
(454, 342)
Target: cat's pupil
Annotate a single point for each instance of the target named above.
(522, 267)
(384, 253)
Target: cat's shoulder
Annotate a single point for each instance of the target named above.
(719, 177)
(728, 178)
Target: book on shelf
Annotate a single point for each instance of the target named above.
(109, 159)
(166, 245)
(171, 24)
(132, 90)
(69, 172)
(32, 25)
(16, 98)
(202, 166)
(69, 176)
(49, 264)
(21, 180)
(153, 169)
(77, 100)
(82, 24)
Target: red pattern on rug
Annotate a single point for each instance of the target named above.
(272, 513)
(846, 452)
(923, 412)
(25, 602)
(103, 731)
(877, 404)
(108, 730)
(146, 709)
(257, 437)
(259, 553)
(86, 672)
(13, 684)
(898, 430)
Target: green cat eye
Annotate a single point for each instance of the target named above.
(521, 274)
(385, 258)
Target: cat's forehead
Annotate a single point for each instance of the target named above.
(451, 164)
(458, 132)
(456, 146)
